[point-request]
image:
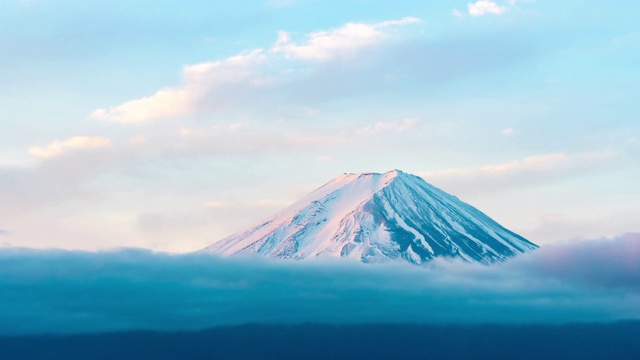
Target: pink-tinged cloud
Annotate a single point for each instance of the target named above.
(164, 103)
(218, 205)
(345, 40)
(485, 7)
(200, 81)
(215, 85)
(529, 170)
(385, 127)
(59, 147)
(610, 263)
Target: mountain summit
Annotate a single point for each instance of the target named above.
(375, 217)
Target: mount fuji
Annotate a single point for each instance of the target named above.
(374, 218)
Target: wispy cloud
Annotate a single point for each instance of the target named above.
(252, 138)
(280, 3)
(552, 225)
(215, 85)
(508, 132)
(388, 127)
(59, 147)
(202, 80)
(485, 7)
(308, 72)
(489, 7)
(44, 291)
(457, 13)
(164, 103)
(531, 169)
(218, 205)
(345, 40)
(275, 204)
(71, 178)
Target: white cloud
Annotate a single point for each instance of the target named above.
(164, 103)
(215, 85)
(508, 132)
(199, 81)
(386, 127)
(345, 40)
(219, 70)
(403, 21)
(218, 205)
(58, 147)
(457, 13)
(485, 7)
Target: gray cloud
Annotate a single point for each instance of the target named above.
(61, 291)
(608, 263)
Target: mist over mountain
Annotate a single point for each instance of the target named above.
(72, 292)
(374, 218)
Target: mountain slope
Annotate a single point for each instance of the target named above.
(376, 217)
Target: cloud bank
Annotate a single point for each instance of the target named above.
(58, 291)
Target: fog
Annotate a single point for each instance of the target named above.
(57, 291)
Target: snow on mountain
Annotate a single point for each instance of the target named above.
(376, 217)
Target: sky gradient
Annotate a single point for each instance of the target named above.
(169, 125)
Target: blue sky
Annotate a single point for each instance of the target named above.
(169, 125)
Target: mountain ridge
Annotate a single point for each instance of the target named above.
(376, 217)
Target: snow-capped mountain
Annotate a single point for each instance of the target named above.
(376, 217)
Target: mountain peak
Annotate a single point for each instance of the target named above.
(393, 173)
(376, 217)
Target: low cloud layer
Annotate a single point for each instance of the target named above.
(58, 291)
